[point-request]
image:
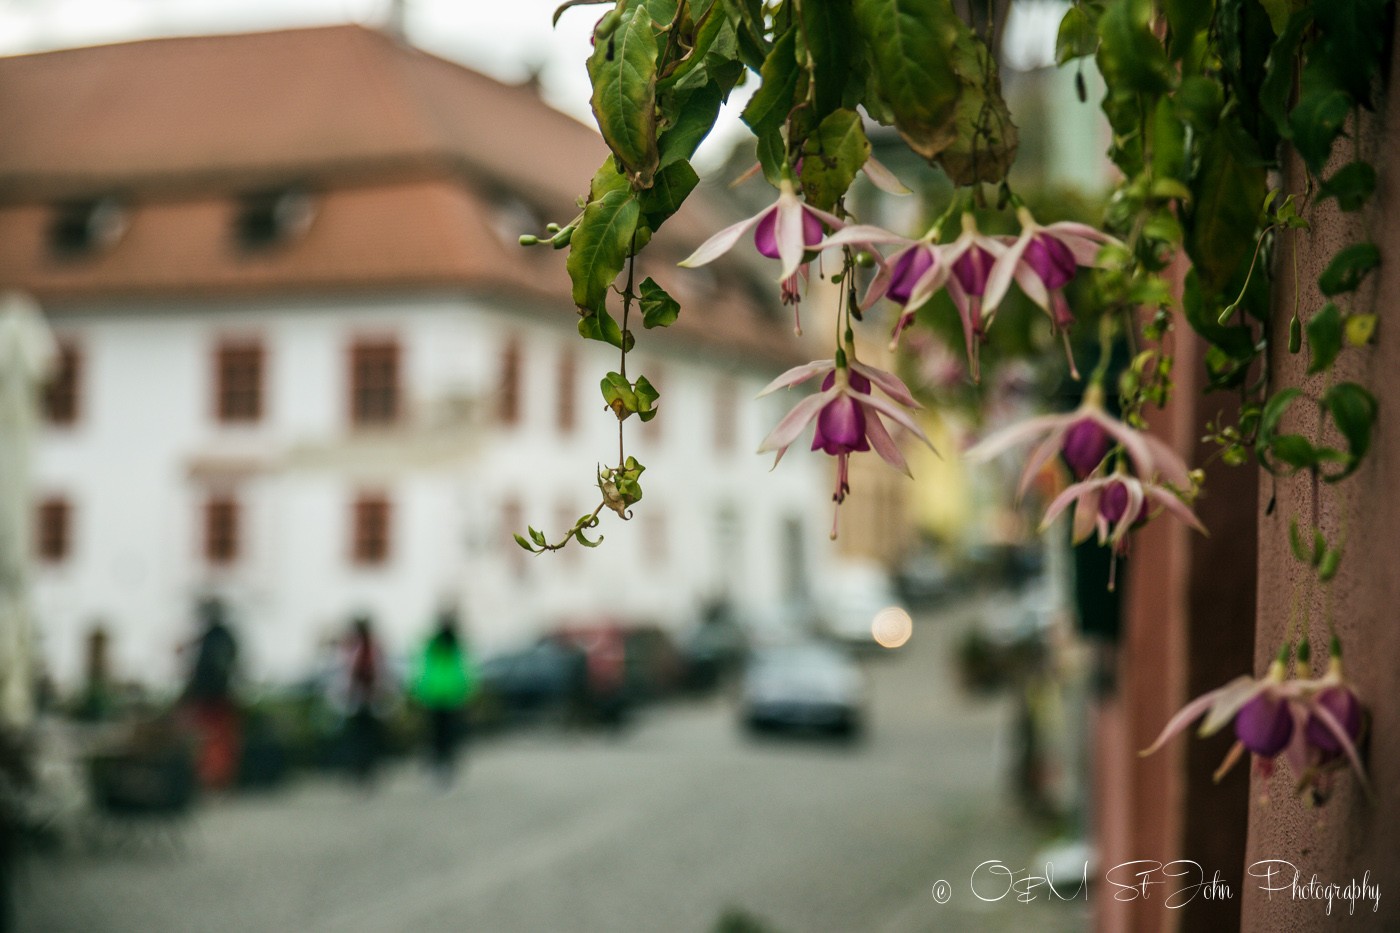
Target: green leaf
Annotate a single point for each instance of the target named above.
(831, 157)
(710, 31)
(1273, 411)
(600, 325)
(1276, 90)
(669, 189)
(1360, 328)
(911, 44)
(692, 116)
(1198, 102)
(536, 536)
(646, 398)
(1295, 541)
(1319, 547)
(1348, 268)
(768, 109)
(1186, 18)
(1130, 56)
(1235, 341)
(1353, 411)
(619, 396)
(1352, 185)
(1318, 117)
(1279, 12)
(598, 249)
(1078, 35)
(747, 16)
(1168, 141)
(623, 71)
(829, 28)
(1324, 338)
(772, 154)
(658, 308)
(520, 540)
(1329, 565)
(986, 139)
(1294, 450)
(1230, 184)
(1352, 43)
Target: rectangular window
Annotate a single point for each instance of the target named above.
(508, 408)
(54, 530)
(61, 394)
(568, 376)
(238, 375)
(370, 544)
(220, 530)
(374, 382)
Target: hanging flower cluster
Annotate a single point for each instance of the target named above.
(1312, 724)
(1124, 477)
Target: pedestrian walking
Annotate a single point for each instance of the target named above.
(208, 698)
(444, 681)
(362, 691)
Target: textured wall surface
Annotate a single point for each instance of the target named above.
(1349, 837)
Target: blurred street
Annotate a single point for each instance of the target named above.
(662, 828)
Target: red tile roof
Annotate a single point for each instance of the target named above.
(417, 168)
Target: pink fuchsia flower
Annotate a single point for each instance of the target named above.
(847, 414)
(1043, 260)
(1084, 438)
(971, 258)
(786, 231)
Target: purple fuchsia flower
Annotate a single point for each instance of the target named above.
(786, 231)
(847, 414)
(971, 258)
(1084, 438)
(1274, 716)
(1043, 260)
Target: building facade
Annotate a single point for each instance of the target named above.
(305, 366)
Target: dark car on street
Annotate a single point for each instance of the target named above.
(809, 686)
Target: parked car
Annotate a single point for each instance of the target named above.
(811, 686)
(624, 665)
(535, 682)
(713, 651)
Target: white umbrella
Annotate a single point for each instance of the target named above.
(27, 358)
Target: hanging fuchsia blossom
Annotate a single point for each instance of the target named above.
(1084, 438)
(1043, 260)
(1311, 723)
(786, 231)
(916, 271)
(1115, 504)
(847, 414)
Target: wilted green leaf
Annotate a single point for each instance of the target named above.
(623, 71)
(831, 157)
(986, 138)
(1348, 268)
(599, 247)
(1324, 338)
(658, 308)
(911, 44)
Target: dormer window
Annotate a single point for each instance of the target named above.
(82, 228)
(268, 218)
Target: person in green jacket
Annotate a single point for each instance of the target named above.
(444, 681)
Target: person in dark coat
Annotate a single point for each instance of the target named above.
(208, 698)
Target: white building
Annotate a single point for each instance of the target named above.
(307, 367)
